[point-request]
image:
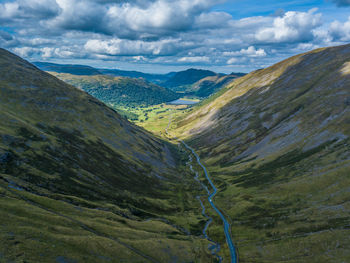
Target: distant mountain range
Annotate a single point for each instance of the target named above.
(154, 78)
(67, 68)
(187, 77)
(198, 82)
(87, 70)
(188, 82)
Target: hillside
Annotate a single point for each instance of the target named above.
(78, 183)
(276, 142)
(210, 85)
(180, 80)
(119, 91)
(67, 68)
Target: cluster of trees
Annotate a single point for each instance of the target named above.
(121, 90)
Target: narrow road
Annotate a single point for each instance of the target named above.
(215, 247)
(211, 196)
(211, 201)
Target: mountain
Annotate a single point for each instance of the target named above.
(188, 77)
(154, 78)
(277, 145)
(120, 90)
(210, 85)
(78, 183)
(201, 83)
(87, 70)
(71, 69)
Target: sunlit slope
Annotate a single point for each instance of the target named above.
(209, 85)
(120, 90)
(277, 143)
(183, 80)
(78, 183)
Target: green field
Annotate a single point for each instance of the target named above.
(153, 118)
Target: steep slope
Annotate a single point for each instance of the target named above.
(78, 183)
(181, 79)
(210, 85)
(120, 90)
(71, 69)
(276, 142)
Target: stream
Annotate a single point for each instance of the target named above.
(215, 248)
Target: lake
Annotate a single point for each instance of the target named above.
(183, 102)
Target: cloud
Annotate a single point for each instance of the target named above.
(7, 40)
(306, 47)
(23, 9)
(212, 20)
(340, 31)
(232, 61)
(5, 36)
(78, 15)
(249, 52)
(342, 3)
(291, 27)
(47, 52)
(117, 47)
(24, 51)
(194, 59)
(162, 32)
(160, 18)
(135, 19)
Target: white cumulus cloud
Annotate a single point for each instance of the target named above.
(117, 47)
(194, 59)
(250, 52)
(340, 31)
(291, 27)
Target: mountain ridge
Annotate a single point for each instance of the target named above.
(120, 91)
(276, 142)
(79, 183)
(188, 77)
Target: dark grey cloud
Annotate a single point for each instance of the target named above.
(79, 15)
(6, 36)
(29, 9)
(134, 19)
(342, 3)
(7, 40)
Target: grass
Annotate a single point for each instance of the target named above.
(276, 145)
(33, 234)
(78, 183)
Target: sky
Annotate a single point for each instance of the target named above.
(160, 36)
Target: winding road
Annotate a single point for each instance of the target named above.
(211, 196)
(215, 247)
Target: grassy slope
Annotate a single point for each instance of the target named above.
(183, 79)
(120, 90)
(210, 85)
(276, 142)
(80, 184)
